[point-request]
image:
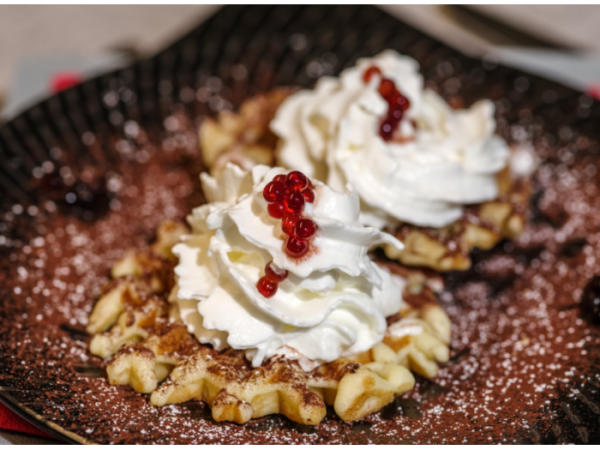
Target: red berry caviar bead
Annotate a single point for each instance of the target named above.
(296, 181)
(310, 185)
(266, 287)
(294, 202)
(305, 228)
(274, 191)
(402, 102)
(396, 114)
(373, 70)
(274, 273)
(288, 223)
(397, 106)
(276, 210)
(387, 88)
(309, 195)
(280, 178)
(296, 247)
(387, 128)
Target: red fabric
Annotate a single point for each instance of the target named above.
(594, 91)
(64, 80)
(12, 422)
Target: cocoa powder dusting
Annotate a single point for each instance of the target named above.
(524, 365)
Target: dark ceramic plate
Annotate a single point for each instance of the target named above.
(98, 156)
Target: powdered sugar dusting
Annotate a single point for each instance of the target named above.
(523, 364)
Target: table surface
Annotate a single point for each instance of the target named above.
(30, 30)
(14, 438)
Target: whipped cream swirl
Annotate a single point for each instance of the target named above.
(334, 301)
(439, 159)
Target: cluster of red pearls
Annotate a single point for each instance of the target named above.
(287, 195)
(397, 103)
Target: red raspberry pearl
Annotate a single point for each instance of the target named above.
(373, 70)
(288, 223)
(387, 128)
(280, 178)
(274, 191)
(402, 102)
(274, 273)
(305, 228)
(294, 202)
(276, 210)
(387, 88)
(396, 113)
(296, 248)
(309, 195)
(296, 181)
(397, 103)
(266, 287)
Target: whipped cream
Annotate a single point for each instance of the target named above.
(334, 301)
(439, 160)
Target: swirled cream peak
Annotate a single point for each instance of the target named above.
(334, 301)
(438, 160)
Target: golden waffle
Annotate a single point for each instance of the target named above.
(145, 348)
(242, 138)
(418, 351)
(481, 226)
(136, 276)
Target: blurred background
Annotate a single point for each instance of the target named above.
(46, 48)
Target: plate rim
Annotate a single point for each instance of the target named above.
(47, 426)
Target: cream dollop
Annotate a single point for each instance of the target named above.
(443, 158)
(334, 301)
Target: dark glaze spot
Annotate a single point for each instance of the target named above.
(430, 389)
(75, 333)
(269, 423)
(459, 355)
(528, 254)
(590, 301)
(89, 370)
(361, 426)
(496, 281)
(84, 200)
(199, 410)
(407, 407)
(573, 247)
(500, 283)
(304, 429)
(91, 200)
(553, 215)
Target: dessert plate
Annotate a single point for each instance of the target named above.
(93, 170)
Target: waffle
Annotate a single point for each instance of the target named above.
(422, 351)
(481, 226)
(132, 328)
(242, 138)
(136, 276)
